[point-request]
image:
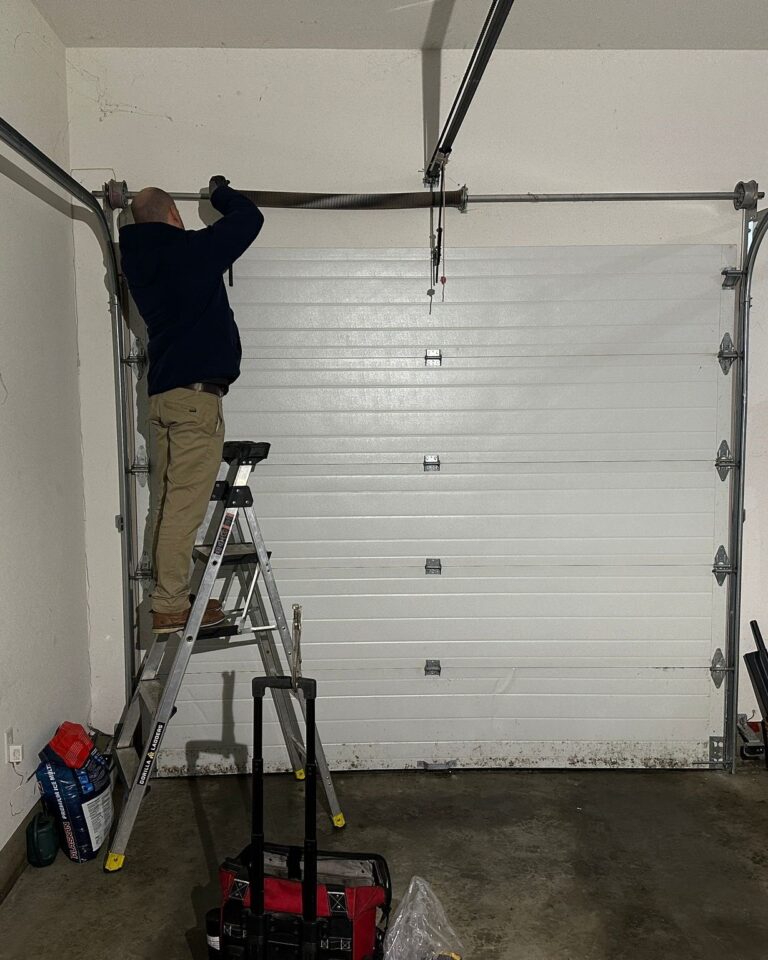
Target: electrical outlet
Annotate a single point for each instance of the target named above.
(14, 752)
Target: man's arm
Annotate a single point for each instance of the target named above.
(230, 237)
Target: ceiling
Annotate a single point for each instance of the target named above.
(409, 24)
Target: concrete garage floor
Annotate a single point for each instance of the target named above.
(585, 865)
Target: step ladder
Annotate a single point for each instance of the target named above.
(236, 551)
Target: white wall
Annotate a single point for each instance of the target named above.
(556, 121)
(44, 668)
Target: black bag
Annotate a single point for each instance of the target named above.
(285, 903)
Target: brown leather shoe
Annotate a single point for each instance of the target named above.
(173, 622)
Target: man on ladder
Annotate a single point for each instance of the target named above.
(176, 279)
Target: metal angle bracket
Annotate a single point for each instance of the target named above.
(433, 566)
(722, 566)
(727, 353)
(725, 461)
(731, 276)
(717, 751)
(431, 463)
(718, 668)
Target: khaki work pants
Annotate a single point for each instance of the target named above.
(187, 436)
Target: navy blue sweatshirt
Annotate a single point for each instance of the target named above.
(175, 278)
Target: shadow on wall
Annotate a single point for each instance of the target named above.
(205, 896)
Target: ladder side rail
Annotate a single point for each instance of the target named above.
(287, 639)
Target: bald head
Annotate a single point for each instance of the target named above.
(153, 205)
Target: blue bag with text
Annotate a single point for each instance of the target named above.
(76, 790)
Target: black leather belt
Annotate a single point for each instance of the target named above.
(213, 388)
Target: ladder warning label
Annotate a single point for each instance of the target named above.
(98, 817)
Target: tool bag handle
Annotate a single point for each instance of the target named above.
(257, 940)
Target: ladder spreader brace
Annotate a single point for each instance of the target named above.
(236, 549)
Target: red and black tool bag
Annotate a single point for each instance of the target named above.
(297, 903)
(353, 900)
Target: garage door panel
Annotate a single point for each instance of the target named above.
(508, 606)
(608, 425)
(629, 447)
(432, 529)
(256, 318)
(576, 513)
(276, 476)
(531, 397)
(486, 709)
(544, 372)
(541, 683)
(221, 757)
(372, 653)
(499, 731)
(463, 289)
(597, 551)
(490, 502)
(488, 577)
(489, 261)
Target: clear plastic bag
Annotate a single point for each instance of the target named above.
(419, 929)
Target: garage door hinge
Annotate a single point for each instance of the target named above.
(433, 357)
(137, 358)
(431, 463)
(140, 466)
(717, 751)
(731, 276)
(433, 566)
(143, 570)
(727, 353)
(722, 566)
(432, 668)
(718, 668)
(724, 461)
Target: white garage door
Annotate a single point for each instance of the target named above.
(575, 514)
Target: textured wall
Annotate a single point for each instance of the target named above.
(44, 663)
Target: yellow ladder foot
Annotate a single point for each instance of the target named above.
(114, 862)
